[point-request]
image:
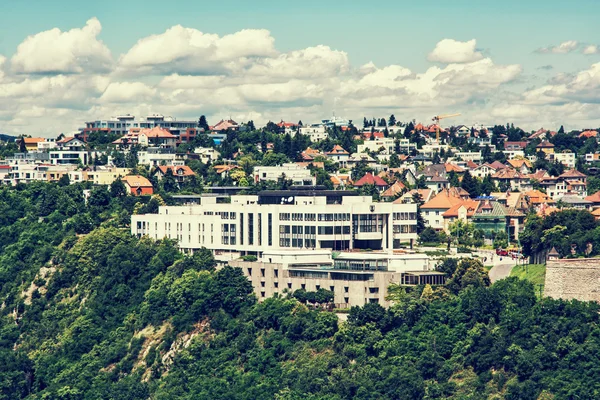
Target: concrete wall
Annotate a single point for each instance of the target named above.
(573, 279)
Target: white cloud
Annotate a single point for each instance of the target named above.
(563, 48)
(189, 51)
(312, 62)
(185, 73)
(124, 92)
(449, 51)
(591, 49)
(57, 52)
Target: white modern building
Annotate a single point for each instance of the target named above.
(316, 132)
(123, 123)
(306, 218)
(154, 157)
(567, 158)
(298, 174)
(387, 144)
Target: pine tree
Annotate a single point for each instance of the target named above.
(470, 184)
(202, 123)
(392, 120)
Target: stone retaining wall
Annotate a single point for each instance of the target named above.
(573, 279)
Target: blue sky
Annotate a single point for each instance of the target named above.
(386, 33)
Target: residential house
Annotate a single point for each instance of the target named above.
(137, 185)
(224, 169)
(225, 125)
(437, 183)
(370, 179)
(488, 215)
(524, 166)
(299, 175)
(483, 170)
(574, 201)
(565, 157)
(340, 181)
(383, 145)
(511, 179)
(515, 146)
(181, 173)
(31, 143)
(315, 132)
(393, 191)
(433, 209)
(424, 194)
(289, 128)
(595, 199)
(546, 147)
(516, 200)
(538, 199)
(361, 157)
(338, 154)
(207, 154)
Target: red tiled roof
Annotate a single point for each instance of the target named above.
(370, 179)
(135, 181)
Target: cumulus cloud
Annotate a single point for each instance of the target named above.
(591, 49)
(312, 62)
(184, 72)
(563, 48)
(453, 51)
(189, 51)
(123, 92)
(55, 52)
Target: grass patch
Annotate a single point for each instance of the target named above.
(534, 273)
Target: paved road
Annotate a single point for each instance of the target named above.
(500, 271)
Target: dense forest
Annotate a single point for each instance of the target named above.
(90, 312)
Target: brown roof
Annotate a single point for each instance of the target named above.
(453, 167)
(182, 170)
(157, 132)
(397, 188)
(572, 173)
(33, 140)
(594, 198)
(508, 173)
(444, 199)
(135, 181)
(424, 193)
(539, 197)
(337, 149)
(545, 145)
(518, 163)
(470, 205)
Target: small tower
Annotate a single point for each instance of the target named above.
(553, 255)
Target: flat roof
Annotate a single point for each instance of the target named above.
(422, 273)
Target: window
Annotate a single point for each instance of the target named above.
(276, 284)
(345, 289)
(276, 272)
(262, 272)
(303, 286)
(262, 284)
(289, 285)
(249, 271)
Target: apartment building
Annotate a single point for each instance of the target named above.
(123, 123)
(298, 174)
(301, 218)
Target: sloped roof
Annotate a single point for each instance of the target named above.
(370, 179)
(444, 199)
(157, 132)
(588, 134)
(470, 205)
(539, 197)
(453, 167)
(135, 181)
(32, 140)
(508, 173)
(497, 165)
(518, 163)
(594, 198)
(182, 170)
(572, 173)
(544, 145)
(394, 190)
(337, 149)
(424, 193)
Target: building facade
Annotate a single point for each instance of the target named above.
(282, 220)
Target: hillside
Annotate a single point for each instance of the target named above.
(90, 312)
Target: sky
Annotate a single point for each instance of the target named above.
(532, 63)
